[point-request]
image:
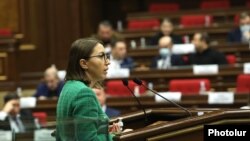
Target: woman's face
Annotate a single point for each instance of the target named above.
(98, 64)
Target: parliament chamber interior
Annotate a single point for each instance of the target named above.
(174, 66)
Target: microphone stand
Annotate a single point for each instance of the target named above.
(188, 112)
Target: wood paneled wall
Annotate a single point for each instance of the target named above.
(9, 14)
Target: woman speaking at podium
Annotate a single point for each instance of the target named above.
(79, 114)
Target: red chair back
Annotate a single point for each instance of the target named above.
(243, 83)
(248, 4)
(143, 24)
(215, 4)
(188, 86)
(164, 7)
(41, 116)
(231, 59)
(196, 20)
(5, 32)
(116, 88)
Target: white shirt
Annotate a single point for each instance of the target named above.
(164, 63)
(104, 107)
(114, 63)
(17, 125)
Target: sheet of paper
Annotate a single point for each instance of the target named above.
(28, 102)
(118, 73)
(173, 96)
(5, 135)
(43, 135)
(220, 98)
(205, 69)
(246, 68)
(183, 48)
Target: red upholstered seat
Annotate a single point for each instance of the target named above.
(196, 20)
(188, 86)
(231, 59)
(248, 4)
(5, 32)
(215, 4)
(144, 24)
(115, 87)
(164, 7)
(41, 116)
(243, 83)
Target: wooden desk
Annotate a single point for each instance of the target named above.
(175, 125)
(145, 55)
(128, 104)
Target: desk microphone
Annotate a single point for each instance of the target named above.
(125, 83)
(139, 82)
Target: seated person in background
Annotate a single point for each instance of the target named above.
(51, 87)
(204, 54)
(241, 33)
(106, 34)
(166, 29)
(118, 57)
(101, 96)
(166, 59)
(13, 118)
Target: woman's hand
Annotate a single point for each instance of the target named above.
(114, 128)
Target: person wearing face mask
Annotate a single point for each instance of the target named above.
(242, 33)
(166, 59)
(166, 29)
(204, 54)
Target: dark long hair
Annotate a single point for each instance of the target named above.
(80, 49)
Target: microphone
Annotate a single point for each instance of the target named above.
(139, 82)
(125, 83)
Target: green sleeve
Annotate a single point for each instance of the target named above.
(88, 125)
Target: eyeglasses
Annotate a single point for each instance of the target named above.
(103, 55)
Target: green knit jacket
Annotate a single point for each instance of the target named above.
(79, 115)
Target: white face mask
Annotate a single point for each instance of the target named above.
(164, 52)
(245, 28)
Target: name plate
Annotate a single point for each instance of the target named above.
(183, 48)
(6, 135)
(246, 68)
(27, 102)
(173, 96)
(205, 69)
(220, 98)
(118, 73)
(43, 135)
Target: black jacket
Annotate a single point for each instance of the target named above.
(26, 118)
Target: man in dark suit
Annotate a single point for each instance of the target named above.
(166, 59)
(166, 29)
(241, 33)
(52, 85)
(205, 55)
(101, 96)
(13, 118)
(118, 57)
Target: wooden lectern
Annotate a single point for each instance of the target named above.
(177, 125)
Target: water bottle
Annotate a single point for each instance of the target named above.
(143, 42)
(202, 87)
(137, 91)
(19, 91)
(207, 21)
(133, 44)
(119, 26)
(120, 123)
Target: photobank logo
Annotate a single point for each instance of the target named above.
(213, 132)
